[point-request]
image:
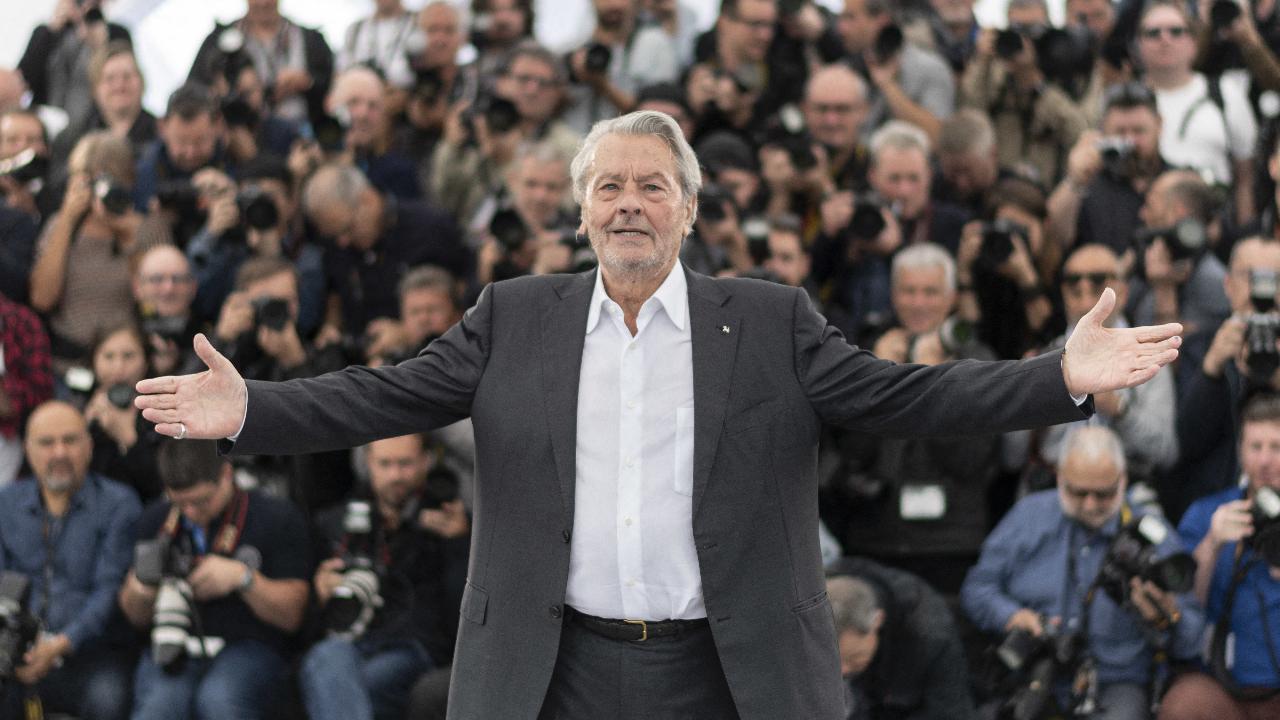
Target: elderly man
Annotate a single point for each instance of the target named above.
(360, 95)
(629, 424)
(1040, 569)
(70, 533)
(835, 108)
(164, 289)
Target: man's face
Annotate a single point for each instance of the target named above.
(1139, 125)
(1165, 43)
(1260, 454)
(531, 85)
(921, 298)
(397, 469)
(613, 14)
(361, 94)
(163, 282)
(203, 502)
(58, 447)
(634, 209)
(1087, 272)
(1090, 489)
(787, 258)
(857, 650)
(119, 90)
(119, 359)
(427, 312)
(538, 188)
(857, 27)
(1026, 15)
(834, 110)
(190, 143)
(355, 225)
(19, 132)
(1248, 256)
(1097, 15)
(902, 176)
(281, 286)
(440, 23)
(741, 184)
(970, 174)
(751, 28)
(1158, 210)
(954, 12)
(506, 21)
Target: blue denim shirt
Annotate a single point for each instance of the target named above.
(1024, 565)
(92, 548)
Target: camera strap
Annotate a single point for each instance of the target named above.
(231, 528)
(1213, 94)
(1222, 630)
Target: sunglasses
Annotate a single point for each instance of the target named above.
(1096, 279)
(1100, 495)
(1173, 31)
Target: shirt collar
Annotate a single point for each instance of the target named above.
(672, 296)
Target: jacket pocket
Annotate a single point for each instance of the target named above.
(810, 603)
(475, 603)
(683, 477)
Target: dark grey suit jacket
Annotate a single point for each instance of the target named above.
(761, 391)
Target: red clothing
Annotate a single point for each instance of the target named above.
(26, 377)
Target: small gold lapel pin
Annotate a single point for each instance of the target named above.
(724, 329)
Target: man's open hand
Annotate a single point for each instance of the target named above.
(211, 404)
(1100, 359)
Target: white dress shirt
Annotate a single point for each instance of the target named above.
(632, 553)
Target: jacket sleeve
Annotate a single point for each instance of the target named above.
(983, 595)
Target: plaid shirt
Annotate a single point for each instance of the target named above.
(25, 376)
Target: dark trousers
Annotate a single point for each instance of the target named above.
(671, 678)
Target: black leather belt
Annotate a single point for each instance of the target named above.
(632, 630)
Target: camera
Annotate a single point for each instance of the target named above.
(257, 209)
(1265, 540)
(1185, 239)
(598, 58)
(955, 333)
(1133, 555)
(271, 313)
(168, 328)
(116, 198)
(427, 85)
(888, 42)
(711, 203)
(356, 599)
(237, 112)
(1062, 54)
(508, 229)
(165, 562)
(25, 167)
(1222, 13)
(997, 241)
(121, 395)
(582, 256)
(867, 221)
(1031, 666)
(330, 131)
(182, 199)
(18, 628)
(500, 114)
(1262, 326)
(1118, 156)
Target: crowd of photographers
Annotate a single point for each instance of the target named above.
(943, 191)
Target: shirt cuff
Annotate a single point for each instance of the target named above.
(245, 418)
(1077, 399)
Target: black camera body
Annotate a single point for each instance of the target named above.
(1031, 665)
(1185, 239)
(1133, 555)
(1119, 157)
(257, 209)
(356, 600)
(121, 395)
(182, 199)
(867, 221)
(598, 58)
(237, 112)
(116, 198)
(18, 628)
(1265, 512)
(888, 43)
(997, 241)
(271, 313)
(1061, 53)
(25, 167)
(509, 230)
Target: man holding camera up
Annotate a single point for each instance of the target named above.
(358, 95)
(67, 532)
(1077, 567)
(191, 137)
(396, 570)
(1234, 536)
(220, 579)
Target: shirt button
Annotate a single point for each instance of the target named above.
(631, 462)
(555, 611)
(631, 583)
(627, 520)
(631, 404)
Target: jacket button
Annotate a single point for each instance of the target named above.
(566, 535)
(555, 611)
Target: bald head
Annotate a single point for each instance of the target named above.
(835, 106)
(58, 446)
(358, 94)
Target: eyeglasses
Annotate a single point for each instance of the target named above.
(161, 278)
(1096, 279)
(541, 82)
(1174, 32)
(1081, 494)
(757, 25)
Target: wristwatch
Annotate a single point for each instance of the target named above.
(246, 581)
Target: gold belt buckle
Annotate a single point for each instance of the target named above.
(644, 629)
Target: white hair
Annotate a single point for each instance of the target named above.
(899, 135)
(1093, 443)
(926, 255)
(642, 122)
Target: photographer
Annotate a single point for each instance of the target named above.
(81, 277)
(1178, 280)
(28, 186)
(835, 111)
(1220, 367)
(375, 239)
(621, 57)
(1108, 174)
(359, 96)
(116, 82)
(900, 651)
(124, 447)
(911, 83)
(68, 532)
(241, 577)
(918, 504)
(1233, 533)
(967, 160)
(497, 27)
(1041, 570)
(163, 290)
(192, 136)
(1036, 121)
(416, 554)
(1209, 125)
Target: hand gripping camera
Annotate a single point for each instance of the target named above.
(18, 628)
(1133, 554)
(356, 600)
(166, 562)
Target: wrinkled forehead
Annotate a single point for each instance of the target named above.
(633, 157)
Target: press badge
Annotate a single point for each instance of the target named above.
(922, 502)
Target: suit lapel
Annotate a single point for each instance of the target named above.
(714, 332)
(564, 322)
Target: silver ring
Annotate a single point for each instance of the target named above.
(182, 431)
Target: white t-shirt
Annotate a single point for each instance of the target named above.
(1194, 133)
